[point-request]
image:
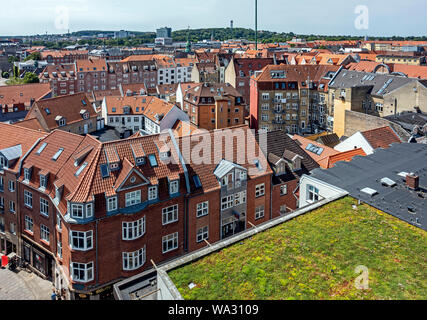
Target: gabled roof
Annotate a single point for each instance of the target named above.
(329, 162)
(68, 107)
(280, 145)
(225, 167)
(381, 137)
(323, 151)
(25, 138)
(22, 94)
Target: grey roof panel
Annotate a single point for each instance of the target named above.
(367, 172)
(12, 153)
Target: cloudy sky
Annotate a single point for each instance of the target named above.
(331, 17)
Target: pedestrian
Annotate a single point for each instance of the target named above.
(53, 296)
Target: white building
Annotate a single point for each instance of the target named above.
(148, 115)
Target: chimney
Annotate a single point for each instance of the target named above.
(412, 181)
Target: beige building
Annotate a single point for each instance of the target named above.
(374, 94)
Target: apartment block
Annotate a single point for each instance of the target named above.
(290, 98)
(214, 105)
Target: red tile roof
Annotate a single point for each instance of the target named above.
(22, 94)
(329, 162)
(68, 106)
(381, 137)
(15, 135)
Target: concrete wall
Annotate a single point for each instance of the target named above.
(357, 121)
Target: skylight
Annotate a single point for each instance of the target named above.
(197, 181)
(153, 161)
(47, 111)
(388, 182)
(314, 149)
(57, 154)
(41, 148)
(104, 171)
(369, 191)
(84, 165)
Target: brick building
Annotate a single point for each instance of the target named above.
(214, 105)
(13, 149)
(290, 98)
(240, 70)
(92, 214)
(73, 113)
(62, 78)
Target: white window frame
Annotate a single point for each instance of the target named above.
(259, 190)
(202, 234)
(152, 193)
(132, 230)
(174, 187)
(85, 236)
(11, 186)
(202, 209)
(28, 199)
(170, 214)
(111, 204)
(312, 193)
(76, 207)
(86, 268)
(89, 210)
(44, 207)
(171, 242)
(259, 212)
(227, 202)
(285, 188)
(44, 231)
(29, 223)
(133, 198)
(134, 260)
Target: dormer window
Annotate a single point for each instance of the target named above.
(81, 211)
(164, 156)
(43, 181)
(114, 166)
(2, 162)
(61, 121)
(174, 187)
(152, 193)
(140, 161)
(27, 174)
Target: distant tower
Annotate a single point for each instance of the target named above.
(212, 36)
(231, 24)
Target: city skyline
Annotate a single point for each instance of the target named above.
(386, 18)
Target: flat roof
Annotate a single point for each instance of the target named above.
(369, 172)
(314, 256)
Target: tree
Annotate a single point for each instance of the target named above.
(31, 78)
(34, 56)
(12, 59)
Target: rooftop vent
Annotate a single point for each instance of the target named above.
(388, 182)
(369, 191)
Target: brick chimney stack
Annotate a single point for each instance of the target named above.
(413, 181)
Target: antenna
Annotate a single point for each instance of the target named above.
(256, 24)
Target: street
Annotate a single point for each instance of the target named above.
(23, 286)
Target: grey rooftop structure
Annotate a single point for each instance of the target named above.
(381, 84)
(370, 172)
